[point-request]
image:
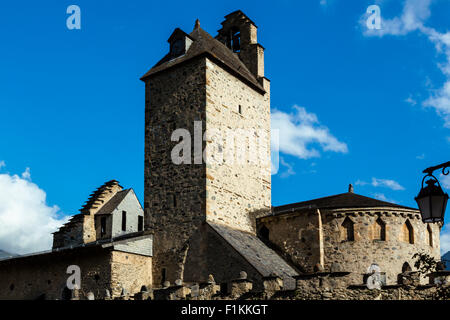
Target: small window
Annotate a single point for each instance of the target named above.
(140, 223)
(240, 109)
(235, 39)
(348, 230)
(102, 227)
(163, 275)
(124, 221)
(407, 234)
(264, 233)
(174, 201)
(406, 267)
(379, 230)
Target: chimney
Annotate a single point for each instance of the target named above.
(350, 188)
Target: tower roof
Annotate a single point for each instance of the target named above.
(205, 45)
(339, 201)
(238, 14)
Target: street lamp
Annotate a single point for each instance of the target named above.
(432, 200)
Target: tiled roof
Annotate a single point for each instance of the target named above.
(203, 44)
(266, 261)
(344, 200)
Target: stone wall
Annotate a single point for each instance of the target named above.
(44, 276)
(34, 276)
(305, 241)
(238, 176)
(295, 237)
(316, 286)
(390, 254)
(129, 271)
(179, 198)
(174, 203)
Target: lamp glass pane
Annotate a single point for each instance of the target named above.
(424, 207)
(437, 204)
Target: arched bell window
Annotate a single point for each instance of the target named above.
(379, 230)
(348, 230)
(406, 267)
(407, 233)
(234, 39)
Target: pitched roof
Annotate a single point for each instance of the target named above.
(343, 200)
(266, 261)
(112, 204)
(205, 44)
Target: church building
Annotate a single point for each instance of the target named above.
(211, 215)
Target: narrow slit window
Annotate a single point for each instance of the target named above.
(380, 230)
(240, 109)
(124, 221)
(174, 201)
(102, 226)
(348, 230)
(163, 275)
(140, 223)
(407, 234)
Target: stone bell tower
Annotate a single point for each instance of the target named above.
(212, 85)
(240, 34)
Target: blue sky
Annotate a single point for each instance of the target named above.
(72, 104)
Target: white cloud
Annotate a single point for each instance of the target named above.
(411, 101)
(2, 164)
(421, 157)
(361, 183)
(26, 174)
(326, 3)
(382, 197)
(391, 184)
(414, 15)
(25, 218)
(301, 134)
(289, 168)
(386, 183)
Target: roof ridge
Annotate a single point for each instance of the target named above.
(205, 44)
(342, 200)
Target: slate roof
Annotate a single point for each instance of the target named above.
(113, 243)
(343, 200)
(112, 204)
(205, 44)
(266, 261)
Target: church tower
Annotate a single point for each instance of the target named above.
(207, 102)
